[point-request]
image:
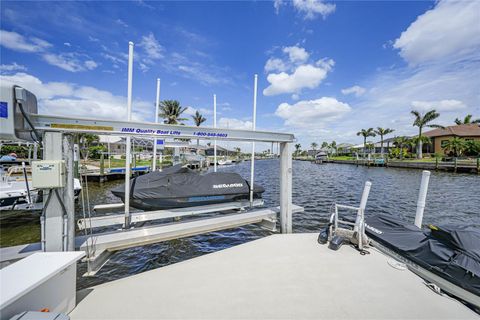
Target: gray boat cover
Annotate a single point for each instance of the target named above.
(180, 182)
(451, 252)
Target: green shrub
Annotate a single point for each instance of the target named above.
(94, 152)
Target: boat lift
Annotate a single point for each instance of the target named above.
(58, 221)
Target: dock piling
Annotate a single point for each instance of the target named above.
(285, 187)
(422, 196)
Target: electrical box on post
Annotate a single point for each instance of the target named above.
(47, 174)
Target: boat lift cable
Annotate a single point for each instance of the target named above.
(86, 212)
(25, 116)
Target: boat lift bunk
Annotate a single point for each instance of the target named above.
(58, 223)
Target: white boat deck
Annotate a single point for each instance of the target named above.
(286, 276)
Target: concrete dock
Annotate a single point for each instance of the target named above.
(288, 276)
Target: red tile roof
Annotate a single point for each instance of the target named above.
(463, 130)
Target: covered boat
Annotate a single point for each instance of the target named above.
(178, 187)
(448, 256)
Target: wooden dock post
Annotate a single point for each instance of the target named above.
(455, 164)
(436, 163)
(285, 187)
(478, 165)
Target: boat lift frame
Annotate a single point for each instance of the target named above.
(58, 230)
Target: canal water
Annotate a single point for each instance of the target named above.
(452, 199)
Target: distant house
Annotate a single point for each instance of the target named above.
(344, 148)
(312, 153)
(220, 151)
(440, 137)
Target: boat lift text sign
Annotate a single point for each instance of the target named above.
(174, 132)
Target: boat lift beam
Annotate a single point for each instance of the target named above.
(139, 217)
(151, 129)
(105, 244)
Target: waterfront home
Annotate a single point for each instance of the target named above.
(344, 148)
(221, 151)
(440, 137)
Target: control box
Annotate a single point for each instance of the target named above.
(47, 174)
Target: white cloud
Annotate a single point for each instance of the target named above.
(450, 31)
(203, 111)
(312, 8)
(65, 61)
(277, 4)
(151, 46)
(90, 64)
(144, 67)
(311, 113)
(122, 23)
(68, 99)
(92, 39)
(275, 64)
(233, 123)
(296, 54)
(17, 42)
(356, 90)
(67, 44)
(304, 76)
(12, 67)
(294, 71)
(440, 106)
(113, 58)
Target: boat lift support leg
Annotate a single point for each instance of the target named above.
(58, 229)
(286, 187)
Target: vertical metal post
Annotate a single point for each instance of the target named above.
(286, 187)
(102, 164)
(68, 192)
(157, 106)
(254, 124)
(53, 226)
(35, 151)
(215, 125)
(76, 159)
(109, 155)
(422, 196)
(363, 205)
(128, 141)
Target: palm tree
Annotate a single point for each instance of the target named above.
(198, 119)
(324, 144)
(456, 145)
(401, 142)
(366, 133)
(171, 111)
(472, 147)
(467, 120)
(86, 139)
(370, 146)
(333, 145)
(423, 121)
(297, 148)
(314, 146)
(383, 132)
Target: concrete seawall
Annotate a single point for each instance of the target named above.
(439, 166)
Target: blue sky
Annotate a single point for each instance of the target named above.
(326, 69)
